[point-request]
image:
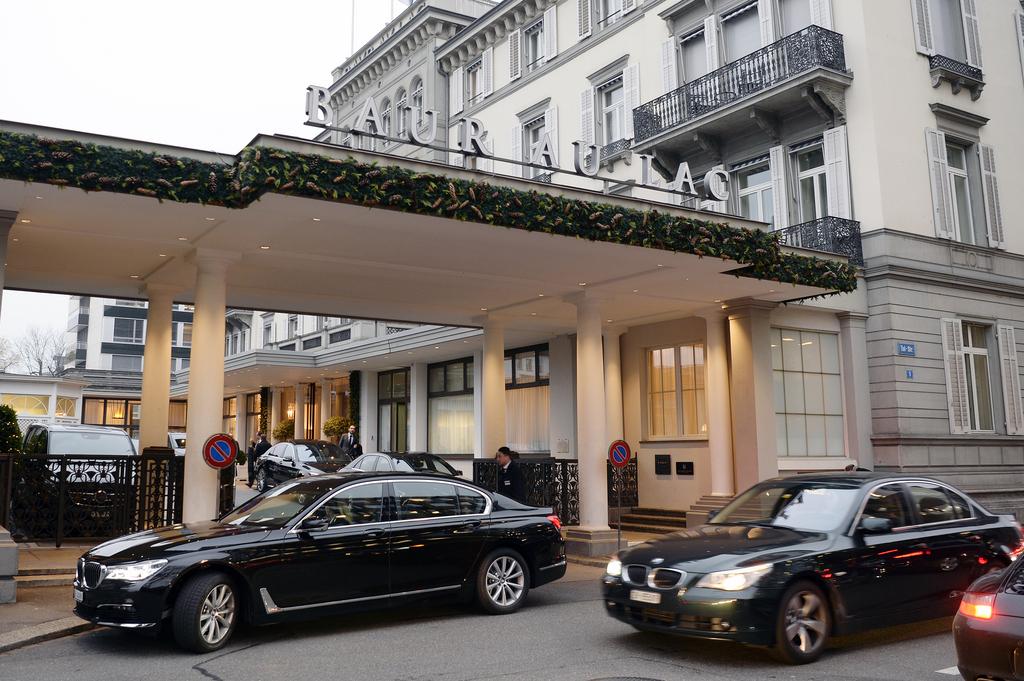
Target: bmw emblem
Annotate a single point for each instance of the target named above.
(657, 561)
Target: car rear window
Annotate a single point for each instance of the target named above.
(118, 444)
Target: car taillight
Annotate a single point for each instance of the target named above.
(555, 521)
(978, 605)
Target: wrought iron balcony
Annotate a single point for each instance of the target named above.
(808, 49)
(958, 74)
(828, 235)
(611, 152)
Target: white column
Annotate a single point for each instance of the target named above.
(590, 412)
(368, 411)
(156, 366)
(716, 362)
(325, 405)
(492, 390)
(613, 383)
(274, 413)
(478, 409)
(206, 380)
(299, 416)
(240, 424)
(753, 391)
(856, 389)
(7, 218)
(418, 407)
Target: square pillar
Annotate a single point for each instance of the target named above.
(853, 348)
(156, 366)
(418, 407)
(716, 362)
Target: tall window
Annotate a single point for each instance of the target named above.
(754, 180)
(253, 410)
(475, 82)
(228, 420)
(810, 165)
(534, 46)
(417, 98)
(742, 32)
(129, 330)
(612, 110)
(959, 191)
(186, 334)
(385, 121)
(695, 56)
(528, 399)
(609, 12)
(948, 29)
(268, 334)
(393, 411)
(979, 391)
(400, 116)
(450, 407)
(808, 393)
(796, 15)
(293, 326)
(676, 403)
(534, 132)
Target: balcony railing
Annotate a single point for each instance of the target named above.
(811, 48)
(829, 235)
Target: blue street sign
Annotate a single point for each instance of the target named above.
(905, 348)
(910, 373)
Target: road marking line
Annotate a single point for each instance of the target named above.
(952, 671)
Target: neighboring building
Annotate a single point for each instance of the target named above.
(42, 399)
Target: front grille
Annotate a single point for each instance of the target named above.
(662, 618)
(636, 574)
(93, 575)
(667, 579)
(115, 614)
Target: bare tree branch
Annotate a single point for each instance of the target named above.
(8, 355)
(42, 351)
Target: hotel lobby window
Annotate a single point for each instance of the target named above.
(676, 402)
(450, 418)
(393, 411)
(808, 393)
(528, 399)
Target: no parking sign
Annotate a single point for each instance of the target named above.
(220, 451)
(618, 453)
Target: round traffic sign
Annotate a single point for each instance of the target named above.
(618, 453)
(219, 451)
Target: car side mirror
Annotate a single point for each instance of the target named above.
(872, 525)
(458, 472)
(313, 524)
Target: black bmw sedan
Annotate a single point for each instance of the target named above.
(793, 561)
(297, 459)
(988, 630)
(321, 546)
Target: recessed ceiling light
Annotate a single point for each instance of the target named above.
(483, 309)
(265, 248)
(182, 238)
(212, 219)
(162, 255)
(609, 321)
(540, 295)
(25, 220)
(39, 197)
(465, 341)
(660, 265)
(15, 239)
(771, 290)
(316, 219)
(437, 347)
(583, 283)
(718, 300)
(636, 290)
(135, 276)
(534, 314)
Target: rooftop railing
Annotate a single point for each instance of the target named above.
(828, 235)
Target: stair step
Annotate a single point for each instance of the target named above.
(635, 519)
(33, 572)
(668, 512)
(648, 528)
(44, 580)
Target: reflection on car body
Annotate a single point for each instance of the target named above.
(408, 462)
(319, 546)
(793, 561)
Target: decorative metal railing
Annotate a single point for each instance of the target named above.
(609, 149)
(937, 61)
(811, 48)
(556, 483)
(829, 235)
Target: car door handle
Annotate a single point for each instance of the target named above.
(471, 524)
(374, 532)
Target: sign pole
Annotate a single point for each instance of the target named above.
(618, 485)
(619, 455)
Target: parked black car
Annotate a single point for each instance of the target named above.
(410, 462)
(793, 561)
(296, 459)
(320, 546)
(989, 627)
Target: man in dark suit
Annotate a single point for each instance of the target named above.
(261, 447)
(511, 481)
(350, 443)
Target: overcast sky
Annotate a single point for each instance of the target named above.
(203, 74)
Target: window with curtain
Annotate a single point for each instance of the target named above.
(808, 393)
(450, 417)
(742, 32)
(676, 402)
(528, 399)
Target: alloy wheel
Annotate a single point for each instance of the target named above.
(217, 615)
(505, 581)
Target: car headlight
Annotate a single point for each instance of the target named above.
(734, 580)
(614, 567)
(135, 572)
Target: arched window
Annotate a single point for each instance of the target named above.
(385, 121)
(400, 103)
(417, 98)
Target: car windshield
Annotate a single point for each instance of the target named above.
(425, 462)
(329, 452)
(278, 506)
(91, 443)
(310, 454)
(801, 506)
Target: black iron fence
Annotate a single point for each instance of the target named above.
(53, 498)
(810, 48)
(556, 483)
(828, 234)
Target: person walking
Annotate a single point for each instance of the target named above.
(511, 481)
(350, 443)
(250, 461)
(261, 447)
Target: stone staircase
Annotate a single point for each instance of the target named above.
(653, 520)
(698, 512)
(44, 577)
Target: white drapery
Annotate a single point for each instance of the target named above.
(528, 419)
(451, 424)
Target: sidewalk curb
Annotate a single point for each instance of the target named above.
(43, 632)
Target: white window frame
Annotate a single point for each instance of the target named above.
(400, 104)
(767, 185)
(602, 91)
(819, 175)
(952, 174)
(924, 37)
(417, 98)
(533, 46)
(385, 122)
(700, 394)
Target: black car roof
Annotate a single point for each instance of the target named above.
(850, 479)
(332, 480)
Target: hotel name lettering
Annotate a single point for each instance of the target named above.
(470, 141)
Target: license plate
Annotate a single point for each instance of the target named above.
(644, 596)
(78, 595)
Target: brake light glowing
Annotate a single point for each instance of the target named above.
(555, 521)
(977, 605)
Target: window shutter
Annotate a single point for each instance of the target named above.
(837, 173)
(717, 206)
(631, 96)
(484, 163)
(455, 88)
(550, 34)
(942, 207)
(922, 27)
(764, 15)
(990, 190)
(456, 159)
(669, 77)
(956, 376)
(551, 128)
(487, 66)
(628, 6)
(821, 13)
(587, 115)
(711, 41)
(972, 35)
(1020, 36)
(515, 54)
(780, 192)
(584, 26)
(1011, 380)
(516, 150)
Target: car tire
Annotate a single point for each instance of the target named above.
(803, 624)
(502, 582)
(205, 613)
(261, 480)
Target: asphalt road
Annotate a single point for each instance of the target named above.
(561, 633)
